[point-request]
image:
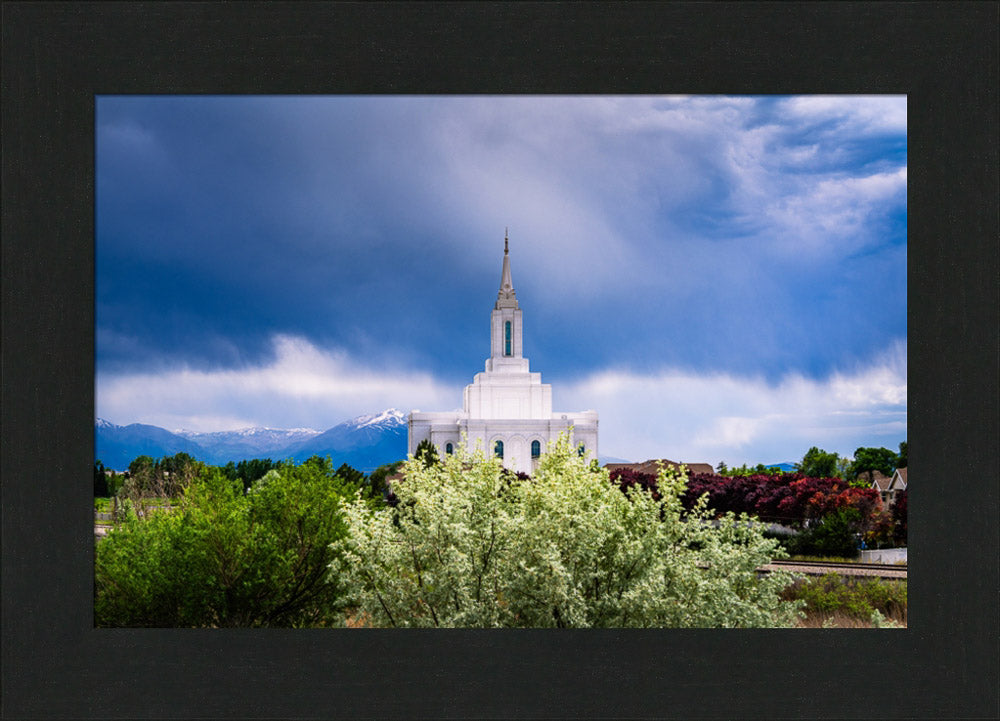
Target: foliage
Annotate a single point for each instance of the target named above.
(225, 557)
(162, 479)
(760, 470)
(115, 481)
(833, 536)
(470, 546)
(377, 485)
(350, 474)
(787, 498)
(872, 459)
(901, 458)
(880, 530)
(100, 481)
(627, 479)
(426, 453)
(857, 596)
(880, 621)
(899, 509)
(248, 471)
(818, 463)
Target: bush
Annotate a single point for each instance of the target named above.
(471, 546)
(899, 518)
(857, 597)
(835, 535)
(227, 558)
(376, 483)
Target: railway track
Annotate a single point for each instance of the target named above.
(821, 568)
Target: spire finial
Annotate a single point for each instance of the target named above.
(506, 293)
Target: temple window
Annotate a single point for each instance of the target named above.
(498, 449)
(506, 344)
(536, 449)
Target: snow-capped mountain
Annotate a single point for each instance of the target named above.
(389, 418)
(254, 442)
(117, 446)
(364, 443)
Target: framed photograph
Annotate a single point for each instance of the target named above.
(697, 221)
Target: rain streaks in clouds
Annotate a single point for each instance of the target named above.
(709, 273)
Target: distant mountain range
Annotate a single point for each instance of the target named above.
(364, 443)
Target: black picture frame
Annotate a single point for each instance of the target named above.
(58, 56)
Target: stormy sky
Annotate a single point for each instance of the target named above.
(721, 278)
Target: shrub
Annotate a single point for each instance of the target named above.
(899, 509)
(227, 558)
(376, 483)
(855, 596)
(471, 546)
(833, 536)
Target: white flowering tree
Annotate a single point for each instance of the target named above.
(470, 545)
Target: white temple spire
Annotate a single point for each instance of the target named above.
(506, 410)
(506, 297)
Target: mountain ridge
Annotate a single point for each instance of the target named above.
(364, 442)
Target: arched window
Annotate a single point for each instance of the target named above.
(449, 449)
(581, 450)
(506, 338)
(536, 449)
(498, 449)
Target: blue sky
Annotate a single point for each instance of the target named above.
(721, 278)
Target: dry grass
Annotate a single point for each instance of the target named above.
(358, 619)
(839, 619)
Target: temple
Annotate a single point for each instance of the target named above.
(506, 410)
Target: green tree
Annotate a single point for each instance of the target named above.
(872, 459)
(818, 464)
(140, 485)
(426, 453)
(115, 482)
(248, 471)
(141, 469)
(836, 535)
(100, 480)
(228, 558)
(176, 472)
(350, 475)
(471, 546)
(376, 481)
(901, 459)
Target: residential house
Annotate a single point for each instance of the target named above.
(888, 487)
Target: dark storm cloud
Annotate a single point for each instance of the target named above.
(759, 237)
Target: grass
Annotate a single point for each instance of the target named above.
(830, 559)
(839, 619)
(848, 601)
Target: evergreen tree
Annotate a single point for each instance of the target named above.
(426, 453)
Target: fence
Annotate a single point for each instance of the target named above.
(884, 555)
